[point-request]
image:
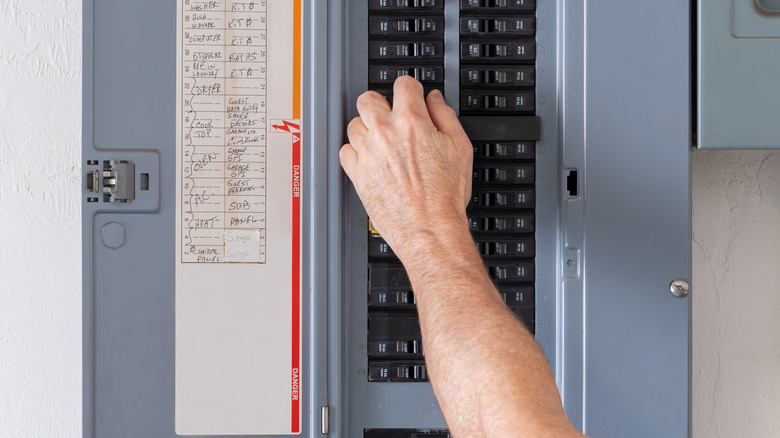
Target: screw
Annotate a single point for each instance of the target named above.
(679, 288)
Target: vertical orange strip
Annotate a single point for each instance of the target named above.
(297, 48)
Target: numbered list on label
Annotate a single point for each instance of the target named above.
(223, 154)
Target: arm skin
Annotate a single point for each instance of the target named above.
(411, 166)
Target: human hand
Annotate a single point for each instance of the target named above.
(411, 164)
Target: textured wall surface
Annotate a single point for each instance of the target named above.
(40, 249)
(736, 294)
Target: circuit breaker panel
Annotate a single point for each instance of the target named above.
(233, 283)
(496, 81)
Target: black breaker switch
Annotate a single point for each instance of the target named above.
(397, 372)
(378, 248)
(394, 335)
(504, 50)
(498, 5)
(405, 5)
(387, 74)
(511, 271)
(503, 198)
(412, 347)
(398, 26)
(517, 101)
(519, 296)
(498, 76)
(398, 50)
(499, 224)
(509, 26)
(392, 299)
(507, 248)
(520, 150)
(518, 174)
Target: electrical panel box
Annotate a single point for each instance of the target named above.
(233, 283)
(738, 96)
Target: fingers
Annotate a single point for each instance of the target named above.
(356, 131)
(445, 119)
(348, 158)
(372, 106)
(408, 97)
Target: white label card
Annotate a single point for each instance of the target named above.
(238, 192)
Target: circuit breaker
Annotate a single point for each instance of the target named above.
(234, 285)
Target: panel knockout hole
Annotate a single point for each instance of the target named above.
(572, 184)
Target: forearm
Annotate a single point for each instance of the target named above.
(489, 375)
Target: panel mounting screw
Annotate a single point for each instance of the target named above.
(679, 288)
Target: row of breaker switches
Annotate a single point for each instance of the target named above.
(396, 335)
(475, 76)
(490, 248)
(482, 51)
(465, 5)
(518, 296)
(386, 276)
(394, 26)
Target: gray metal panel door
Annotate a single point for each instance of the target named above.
(129, 113)
(626, 102)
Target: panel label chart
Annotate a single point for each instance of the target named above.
(238, 198)
(223, 157)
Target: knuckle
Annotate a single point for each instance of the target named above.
(367, 97)
(448, 112)
(409, 119)
(353, 123)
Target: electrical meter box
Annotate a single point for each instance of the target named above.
(738, 98)
(233, 283)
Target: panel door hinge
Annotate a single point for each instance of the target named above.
(325, 420)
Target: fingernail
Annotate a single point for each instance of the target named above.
(436, 94)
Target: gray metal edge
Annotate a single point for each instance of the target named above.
(571, 119)
(315, 238)
(87, 330)
(333, 38)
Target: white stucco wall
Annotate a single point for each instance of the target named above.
(736, 294)
(736, 281)
(40, 255)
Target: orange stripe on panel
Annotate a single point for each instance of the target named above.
(297, 48)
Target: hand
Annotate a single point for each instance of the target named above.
(411, 165)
